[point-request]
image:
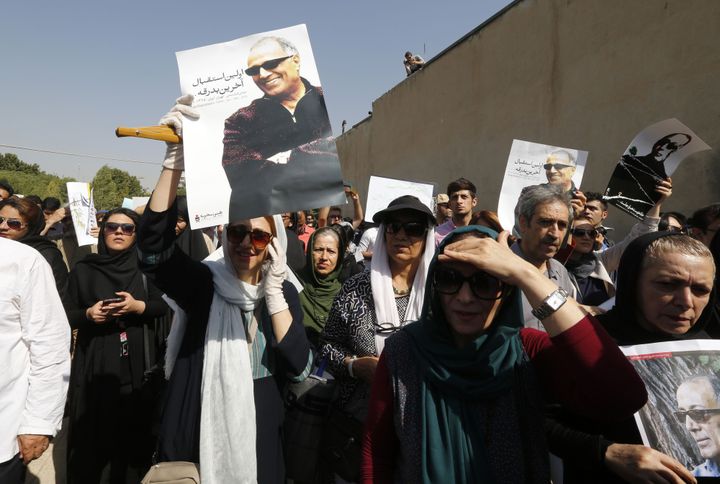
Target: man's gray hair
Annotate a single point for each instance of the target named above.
(711, 378)
(287, 46)
(535, 195)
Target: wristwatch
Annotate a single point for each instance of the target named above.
(551, 304)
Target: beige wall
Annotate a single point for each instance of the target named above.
(586, 74)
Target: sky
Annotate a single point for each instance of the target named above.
(74, 71)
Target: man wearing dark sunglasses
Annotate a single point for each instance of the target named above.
(635, 177)
(698, 400)
(279, 137)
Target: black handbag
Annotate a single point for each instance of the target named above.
(342, 444)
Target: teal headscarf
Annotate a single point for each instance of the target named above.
(455, 379)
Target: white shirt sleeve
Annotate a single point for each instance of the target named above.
(46, 333)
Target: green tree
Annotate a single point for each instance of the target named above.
(111, 185)
(42, 184)
(11, 162)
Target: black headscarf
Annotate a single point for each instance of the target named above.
(190, 241)
(621, 322)
(99, 276)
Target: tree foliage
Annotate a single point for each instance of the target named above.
(10, 162)
(111, 185)
(29, 179)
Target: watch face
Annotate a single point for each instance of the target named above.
(555, 300)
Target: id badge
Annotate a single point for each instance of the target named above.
(123, 344)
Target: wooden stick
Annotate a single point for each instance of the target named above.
(159, 133)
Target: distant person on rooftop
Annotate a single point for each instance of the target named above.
(412, 62)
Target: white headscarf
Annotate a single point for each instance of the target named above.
(381, 283)
(227, 417)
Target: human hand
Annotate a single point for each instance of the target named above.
(488, 255)
(57, 216)
(95, 232)
(664, 188)
(274, 272)
(640, 464)
(174, 159)
(32, 446)
(364, 368)
(128, 305)
(578, 201)
(97, 313)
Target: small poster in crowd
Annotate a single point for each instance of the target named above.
(653, 155)
(82, 211)
(263, 144)
(382, 191)
(682, 415)
(532, 164)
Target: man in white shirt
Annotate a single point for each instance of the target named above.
(34, 358)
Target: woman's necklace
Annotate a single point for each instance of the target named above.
(398, 292)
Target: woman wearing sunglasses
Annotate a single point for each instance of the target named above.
(373, 305)
(23, 221)
(110, 304)
(664, 293)
(238, 337)
(590, 268)
(458, 395)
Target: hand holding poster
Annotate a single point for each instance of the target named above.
(533, 164)
(382, 191)
(82, 211)
(653, 155)
(263, 130)
(682, 416)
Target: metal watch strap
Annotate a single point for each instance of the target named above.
(545, 310)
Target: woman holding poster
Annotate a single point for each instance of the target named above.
(665, 283)
(237, 339)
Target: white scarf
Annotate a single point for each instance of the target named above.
(227, 419)
(381, 284)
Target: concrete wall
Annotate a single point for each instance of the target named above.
(586, 74)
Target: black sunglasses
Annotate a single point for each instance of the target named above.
(411, 229)
(592, 233)
(126, 229)
(558, 166)
(387, 328)
(13, 223)
(697, 415)
(483, 286)
(258, 238)
(267, 65)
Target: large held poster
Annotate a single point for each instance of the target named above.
(532, 164)
(653, 155)
(82, 211)
(263, 144)
(682, 415)
(382, 191)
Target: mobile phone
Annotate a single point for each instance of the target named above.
(111, 300)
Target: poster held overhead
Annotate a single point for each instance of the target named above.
(263, 143)
(653, 155)
(382, 191)
(682, 415)
(82, 211)
(533, 164)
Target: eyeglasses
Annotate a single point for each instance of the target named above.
(697, 415)
(557, 166)
(679, 230)
(13, 223)
(126, 229)
(592, 233)
(258, 238)
(483, 286)
(411, 229)
(388, 328)
(267, 65)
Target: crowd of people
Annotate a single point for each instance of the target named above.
(458, 350)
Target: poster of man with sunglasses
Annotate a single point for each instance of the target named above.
(653, 156)
(682, 416)
(533, 164)
(263, 126)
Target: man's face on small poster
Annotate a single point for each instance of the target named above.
(560, 168)
(278, 74)
(698, 404)
(668, 145)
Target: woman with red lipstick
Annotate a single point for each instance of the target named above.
(109, 303)
(23, 221)
(664, 293)
(237, 339)
(458, 395)
(373, 305)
